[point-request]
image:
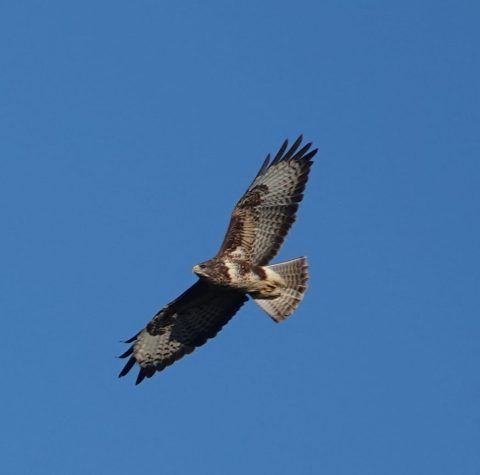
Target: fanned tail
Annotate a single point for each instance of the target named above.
(295, 275)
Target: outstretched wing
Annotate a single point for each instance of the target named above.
(182, 325)
(266, 212)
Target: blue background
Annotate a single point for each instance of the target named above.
(128, 130)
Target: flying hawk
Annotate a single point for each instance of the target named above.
(258, 227)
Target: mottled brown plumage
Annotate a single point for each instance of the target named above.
(266, 212)
(258, 227)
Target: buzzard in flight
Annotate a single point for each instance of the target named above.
(258, 227)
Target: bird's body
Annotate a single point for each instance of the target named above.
(240, 274)
(259, 224)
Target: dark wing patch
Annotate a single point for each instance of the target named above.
(182, 325)
(266, 212)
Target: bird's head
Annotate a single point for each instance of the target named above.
(201, 269)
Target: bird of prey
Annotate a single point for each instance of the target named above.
(259, 224)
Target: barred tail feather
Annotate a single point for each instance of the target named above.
(295, 275)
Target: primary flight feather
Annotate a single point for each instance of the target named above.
(259, 224)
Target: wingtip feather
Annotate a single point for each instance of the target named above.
(127, 353)
(280, 152)
(140, 377)
(127, 367)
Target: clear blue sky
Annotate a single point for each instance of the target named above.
(128, 130)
